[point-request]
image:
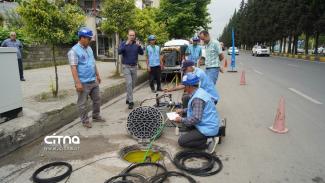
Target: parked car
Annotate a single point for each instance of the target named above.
(300, 51)
(230, 51)
(320, 50)
(260, 50)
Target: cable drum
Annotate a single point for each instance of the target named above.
(143, 122)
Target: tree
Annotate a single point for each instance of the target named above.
(51, 23)
(13, 21)
(118, 19)
(318, 7)
(146, 24)
(184, 18)
(2, 19)
(266, 22)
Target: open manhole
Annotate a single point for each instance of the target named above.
(137, 153)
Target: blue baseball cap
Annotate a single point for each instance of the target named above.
(187, 63)
(195, 38)
(190, 79)
(151, 37)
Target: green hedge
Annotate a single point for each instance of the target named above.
(21, 35)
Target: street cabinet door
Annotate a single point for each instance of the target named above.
(10, 88)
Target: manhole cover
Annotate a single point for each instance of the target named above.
(143, 122)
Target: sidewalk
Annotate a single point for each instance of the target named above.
(43, 114)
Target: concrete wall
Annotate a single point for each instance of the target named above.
(41, 56)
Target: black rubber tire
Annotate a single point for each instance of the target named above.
(52, 179)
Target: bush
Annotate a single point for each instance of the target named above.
(21, 35)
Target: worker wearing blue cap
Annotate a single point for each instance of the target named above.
(200, 114)
(205, 82)
(194, 51)
(86, 77)
(154, 63)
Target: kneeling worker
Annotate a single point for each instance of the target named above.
(201, 114)
(205, 82)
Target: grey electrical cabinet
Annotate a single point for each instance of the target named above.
(10, 89)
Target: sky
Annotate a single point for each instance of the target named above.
(221, 11)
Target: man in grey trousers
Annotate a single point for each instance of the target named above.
(130, 49)
(86, 77)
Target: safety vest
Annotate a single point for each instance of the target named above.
(86, 63)
(194, 53)
(207, 84)
(153, 55)
(209, 124)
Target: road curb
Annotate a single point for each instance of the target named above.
(54, 119)
(310, 58)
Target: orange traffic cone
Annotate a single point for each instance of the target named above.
(279, 122)
(242, 78)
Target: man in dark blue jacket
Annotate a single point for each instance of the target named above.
(130, 49)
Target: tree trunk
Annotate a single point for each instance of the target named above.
(56, 90)
(289, 44)
(316, 42)
(306, 43)
(285, 45)
(117, 44)
(281, 44)
(294, 44)
(273, 45)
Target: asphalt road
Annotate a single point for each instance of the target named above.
(251, 153)
(297, 156)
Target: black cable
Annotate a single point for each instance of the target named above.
(52, 179)
(206, 170)
(162, 177)
(159, 166)
(123, 176)
(89, 164)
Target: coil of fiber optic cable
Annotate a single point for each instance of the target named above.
(52, 179)
(139, 178)
(161, 177)
(147, 164)
(203, 171)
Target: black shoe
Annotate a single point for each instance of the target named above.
(152, 89)
(22, 79)
(131, 104)
(127, 102)
(160, 90)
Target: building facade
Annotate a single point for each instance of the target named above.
(104, 45)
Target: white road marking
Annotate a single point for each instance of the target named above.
(258, 72)
(305, 96)
(293, 65)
